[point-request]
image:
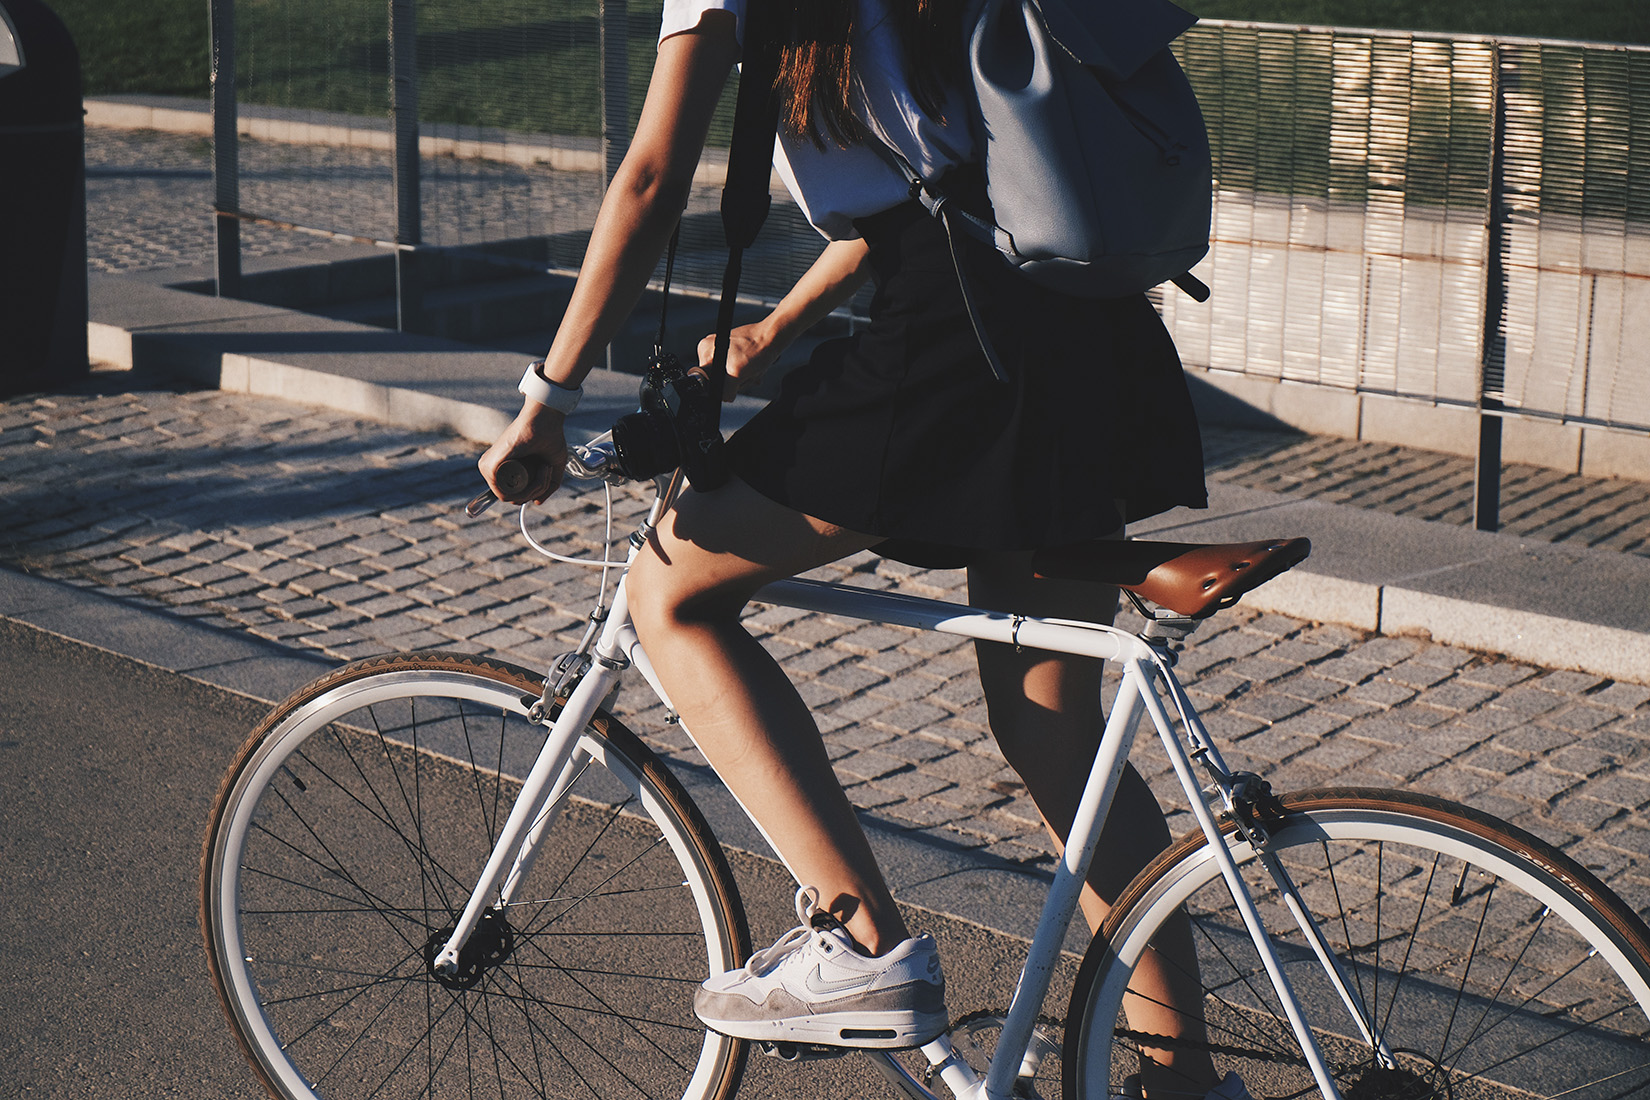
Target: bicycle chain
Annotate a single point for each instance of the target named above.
(1145, 1038)
(1248, 1053)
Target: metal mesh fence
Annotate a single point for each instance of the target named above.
(1444, 217)
(314, 96)
(510, 101)
(1431, 216)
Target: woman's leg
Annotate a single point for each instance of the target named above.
(686, 592)
(1045, 713)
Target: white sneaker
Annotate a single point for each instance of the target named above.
(814, 986)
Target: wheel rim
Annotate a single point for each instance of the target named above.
(1479, 966)
(328, 892)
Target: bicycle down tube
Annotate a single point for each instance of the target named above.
(617, 647)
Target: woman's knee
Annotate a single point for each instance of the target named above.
(666, 592)
(715, 550)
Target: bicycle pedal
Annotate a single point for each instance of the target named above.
(800, 1052)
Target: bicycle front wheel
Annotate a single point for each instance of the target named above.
(348, 836)
(1481, 964)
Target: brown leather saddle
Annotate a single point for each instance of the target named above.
(1190, 579)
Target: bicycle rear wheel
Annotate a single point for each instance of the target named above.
(1488, 964)
(346, 839)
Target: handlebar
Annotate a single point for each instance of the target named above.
(594, 461)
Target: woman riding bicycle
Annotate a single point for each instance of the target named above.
(899, 439)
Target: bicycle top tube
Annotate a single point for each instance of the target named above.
(1189, 580)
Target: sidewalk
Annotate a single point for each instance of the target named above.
(249, 541)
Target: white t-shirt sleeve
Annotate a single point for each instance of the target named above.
(684, 15)
(833, 186)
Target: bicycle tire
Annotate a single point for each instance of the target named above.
(348, 834)
(1492, 965)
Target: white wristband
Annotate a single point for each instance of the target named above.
(547, 393)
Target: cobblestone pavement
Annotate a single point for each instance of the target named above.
(149, 200)
(1536, 503)
(346, 537)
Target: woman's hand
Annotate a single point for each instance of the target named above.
(753, 348)
(537, 440)
(751, 351)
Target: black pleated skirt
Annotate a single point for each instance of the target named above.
(902, 430)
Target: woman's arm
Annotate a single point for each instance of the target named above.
(752, 348)
(641, 209)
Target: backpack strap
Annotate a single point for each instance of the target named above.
(745, 196)
(955, 220)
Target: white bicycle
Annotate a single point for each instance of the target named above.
(390, 911)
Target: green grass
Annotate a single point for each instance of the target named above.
(160, 47)
(155, 47)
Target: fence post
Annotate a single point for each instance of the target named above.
(614, 17)
(1486, 504)
(226, 170)
(409, 225)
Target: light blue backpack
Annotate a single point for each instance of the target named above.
(1095, 153)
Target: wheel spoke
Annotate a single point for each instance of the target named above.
(355, 831)
(1496, 967)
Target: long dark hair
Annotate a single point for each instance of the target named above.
(816, 62)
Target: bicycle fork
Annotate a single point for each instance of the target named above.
(553, 772)
(554, 769)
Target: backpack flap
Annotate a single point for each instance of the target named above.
(1095, 153)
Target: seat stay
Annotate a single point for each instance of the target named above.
(1222, 855)
(1204, 751)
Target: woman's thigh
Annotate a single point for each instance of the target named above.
(713, 551)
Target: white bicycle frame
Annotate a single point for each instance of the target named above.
(612, 646)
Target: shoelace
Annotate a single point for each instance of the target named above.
(807, 903)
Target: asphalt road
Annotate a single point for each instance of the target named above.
(109, 772)
(107, 769)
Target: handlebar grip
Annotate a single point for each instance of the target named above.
(512, 476)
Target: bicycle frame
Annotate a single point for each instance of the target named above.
(612, 646)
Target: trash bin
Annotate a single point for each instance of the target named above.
(42, 201)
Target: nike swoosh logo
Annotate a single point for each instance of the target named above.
(818, 983)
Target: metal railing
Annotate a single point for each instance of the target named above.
(1456, 219)
(1460, 220)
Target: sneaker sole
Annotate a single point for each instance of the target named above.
(860, 1030)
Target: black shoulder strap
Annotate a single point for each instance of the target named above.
(745, 197)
